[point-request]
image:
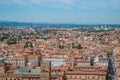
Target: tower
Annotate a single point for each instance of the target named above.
(2, 66)
(45, 70)
(57, 44)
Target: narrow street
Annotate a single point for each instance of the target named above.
(111, 68)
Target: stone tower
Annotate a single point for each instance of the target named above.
(45, 70)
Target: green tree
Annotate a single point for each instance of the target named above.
(11, 41)
(4, 36)
(78, 46)
(28, 44)
(19, 37)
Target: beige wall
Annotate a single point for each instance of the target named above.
(85, 77)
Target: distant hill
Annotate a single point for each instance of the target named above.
(19, 24)
(8, 23)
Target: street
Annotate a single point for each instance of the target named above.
(111, 68)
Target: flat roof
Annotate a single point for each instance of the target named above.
(1, 58)
(54, 62)
(27, 71)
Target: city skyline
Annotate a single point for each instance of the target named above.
(61, 11)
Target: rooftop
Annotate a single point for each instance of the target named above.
(27, 71)
(1, 58)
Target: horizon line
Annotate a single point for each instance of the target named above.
(32, 22)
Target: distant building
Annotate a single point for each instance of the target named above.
(16, 61)
(21, 73)
(86, 73)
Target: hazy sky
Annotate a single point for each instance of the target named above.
(61, 11)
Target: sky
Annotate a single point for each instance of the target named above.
(61, 11)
